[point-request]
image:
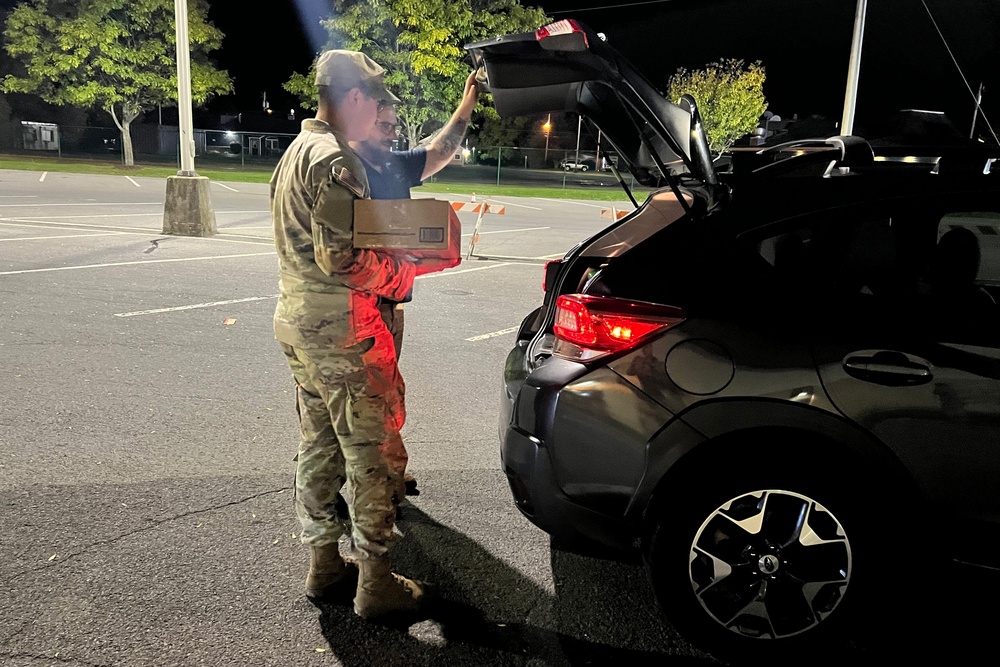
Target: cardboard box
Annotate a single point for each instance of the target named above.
(415, 227)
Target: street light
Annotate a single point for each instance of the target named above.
(547, 128)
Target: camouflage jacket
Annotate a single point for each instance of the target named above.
(328, 288)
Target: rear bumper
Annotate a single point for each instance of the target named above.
(530, 403)
(528, 467)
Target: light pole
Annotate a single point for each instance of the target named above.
(547, 129)
(187, 210)
(185, 124)
(850, 98)
(597, 153)
(579, 122)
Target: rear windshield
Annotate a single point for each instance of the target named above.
(660, 210)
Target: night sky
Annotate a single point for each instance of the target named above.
(805, 47)
(803, 44)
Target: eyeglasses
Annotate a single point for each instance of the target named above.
(387, 128)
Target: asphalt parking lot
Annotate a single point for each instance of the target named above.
(147, 430)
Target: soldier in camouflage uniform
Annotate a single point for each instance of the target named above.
(349, 391)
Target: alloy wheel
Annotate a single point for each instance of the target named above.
(770, 564)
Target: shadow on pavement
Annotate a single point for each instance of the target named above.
(489, 613)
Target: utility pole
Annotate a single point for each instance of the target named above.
(853, 70)
(187, 210)
(579, 123)
(597, 153)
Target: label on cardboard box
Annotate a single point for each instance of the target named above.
(402, 224)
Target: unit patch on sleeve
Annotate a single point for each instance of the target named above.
(349, 181)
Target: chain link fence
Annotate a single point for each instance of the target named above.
(258, 151)
(151, 145)
(511, 165)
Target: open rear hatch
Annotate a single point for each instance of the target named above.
(567, 67)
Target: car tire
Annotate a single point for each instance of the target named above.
(731, 577)
(583, 167)
(566, 168)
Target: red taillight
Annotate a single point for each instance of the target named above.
(565, 35)
(549, 273)
(594, 326)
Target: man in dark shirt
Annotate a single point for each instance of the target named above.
(391, 174)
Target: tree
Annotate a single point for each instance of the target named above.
(419, 43)
(117, 55)
(730, 98)
(514, 131)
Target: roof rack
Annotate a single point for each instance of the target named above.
(968, 159)
(840, 155)
(805, 154)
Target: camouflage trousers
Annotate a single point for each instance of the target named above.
(351, 408)
(392, 316)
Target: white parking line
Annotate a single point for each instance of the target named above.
(133, 181)
(492, 334)
(96, 215)
(41, 179)
(8, 222)
(570, 201)
(95, 203)
(229, 238)
(47, 221)
(18, 196)
(534, 208)
(195, 305)
(211, 304)
(224, 186)
(147, 261)
(509, 231)
(444, 274)
(62, 236)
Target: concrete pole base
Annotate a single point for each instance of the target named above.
(187, 210)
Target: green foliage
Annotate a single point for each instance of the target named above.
(116, 55)
(507, 131)
(730, 98)
(419, 43)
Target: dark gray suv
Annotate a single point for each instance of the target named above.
(781, 382)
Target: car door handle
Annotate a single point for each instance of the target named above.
(888, 367)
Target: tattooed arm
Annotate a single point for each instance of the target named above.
(442, 147)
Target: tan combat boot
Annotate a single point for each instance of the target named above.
(382, 593)
(330, 577)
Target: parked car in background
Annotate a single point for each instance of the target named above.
(584, 163)
(781, 383)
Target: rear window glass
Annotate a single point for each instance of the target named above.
(925, 272)
(985, 227)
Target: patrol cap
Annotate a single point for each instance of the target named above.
(343, 70)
